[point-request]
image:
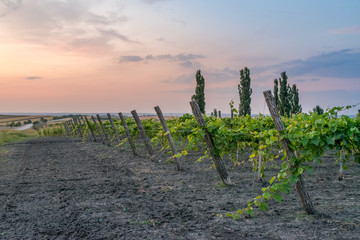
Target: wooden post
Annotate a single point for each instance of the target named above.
(66, 129)
(143, 134)
(91, 130)
(81, 127)
(98, 129)
(86, 128)
(114, 128)
(299, 186)
(128, 135)
(169, 137)
(104, 130)
(259, 168)
(73, 130)
(219, 164)
(341, 162)
(78, 127)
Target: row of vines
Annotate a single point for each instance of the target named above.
(310, 135)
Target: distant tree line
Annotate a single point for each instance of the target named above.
(286, 96)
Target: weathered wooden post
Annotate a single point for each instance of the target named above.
(77, 125)
(259, 168)
(299, 186)
(81, 127)
(98, 129)
(66, 128)
(107, 140)
(91, 130)
(219, 164)
(341, 162)
(73, 130)
(114, 128)
(69, 128)
(143, 134)
(169, 137)
(86, 128)
(128, 135)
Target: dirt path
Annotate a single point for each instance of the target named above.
(24, 127)
(60, 188)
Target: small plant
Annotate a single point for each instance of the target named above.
(53, 130)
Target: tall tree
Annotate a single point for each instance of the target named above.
(295, 106)
(199, 95)
(215, 113)
(245, 92)
(276, 93)
(285, 106)
(318, 110)
(287, 100)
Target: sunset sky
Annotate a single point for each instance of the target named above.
(120, 55)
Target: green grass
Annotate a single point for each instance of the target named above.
(8, 136)
(52, 130)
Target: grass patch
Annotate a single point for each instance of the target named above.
(52, 130)
(8, 136)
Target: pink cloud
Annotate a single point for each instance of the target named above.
(348, 30)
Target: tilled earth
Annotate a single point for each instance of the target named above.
(62, 188)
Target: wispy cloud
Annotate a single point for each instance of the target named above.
(130, 59)
(338, 64)
(33, 78)
(153, 1)
(6, 6)
(210, 75)
(348, 30)
(74, 26)
(111, 33)
(185, 60)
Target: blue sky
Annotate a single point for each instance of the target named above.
(136, 54)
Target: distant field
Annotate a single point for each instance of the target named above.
(6, 119)
(156, 117)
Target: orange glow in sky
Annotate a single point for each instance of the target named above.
(110, 56)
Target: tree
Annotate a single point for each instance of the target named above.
(245, 92)
(285, 106)
(43, 120)
(199, 95)
(295, 106)
(276, 93)
(288, 99)
(318, 110)
(215, 113)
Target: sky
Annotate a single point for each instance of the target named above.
(120, 55)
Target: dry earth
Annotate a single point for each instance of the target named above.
(62, 188)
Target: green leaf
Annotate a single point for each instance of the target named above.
(249, 210)
(315, 141)
(277, 197)
(263, 206)
(272, 179)
(285, 188)
(293, 179)
(267, 195)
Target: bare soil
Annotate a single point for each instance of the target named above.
(62, 188)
